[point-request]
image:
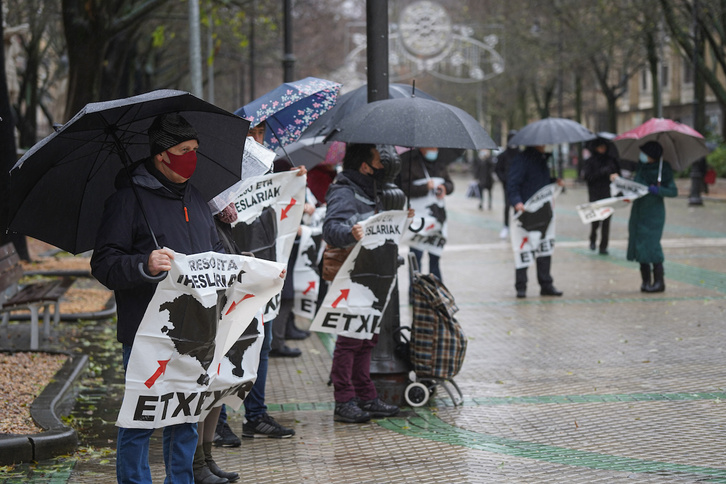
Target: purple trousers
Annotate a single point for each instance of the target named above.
(351, 372)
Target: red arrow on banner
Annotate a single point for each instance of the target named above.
(343, 295)
(287, 209)
(430, 227)
(159, 371)
(311, 285)
(233, 306)
(524, 241)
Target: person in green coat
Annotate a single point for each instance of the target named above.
(647, 215)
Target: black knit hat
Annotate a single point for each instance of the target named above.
(169, 130)
(652, 149)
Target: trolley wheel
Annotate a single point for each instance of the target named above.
(417, 394)
(432, 385)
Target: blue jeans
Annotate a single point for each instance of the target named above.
(132, 450)
(255, 399)
(433, 262)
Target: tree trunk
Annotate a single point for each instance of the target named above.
(85, 67)
(8, 157)
(29, 94)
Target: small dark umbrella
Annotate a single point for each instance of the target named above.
(58, 188)
(551, 131)
(354, 100)
(412, 122)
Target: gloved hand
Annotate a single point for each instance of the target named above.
(653, 189)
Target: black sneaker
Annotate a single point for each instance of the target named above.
(350, 412)
(378, 408)
(224, 437)
(265, 426)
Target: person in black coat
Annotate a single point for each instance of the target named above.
(127, 260)
(596, 172)
(528, 172)
(501, 168)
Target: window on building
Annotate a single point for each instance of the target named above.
(644, 80)
(665, 77)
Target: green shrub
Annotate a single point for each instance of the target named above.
(717, 159)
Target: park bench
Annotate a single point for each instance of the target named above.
(32, 297)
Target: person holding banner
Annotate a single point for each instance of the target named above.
(529, 172)
(351, 199)
(647, 216)
(596, 172)
(127, 260)
(425, 180)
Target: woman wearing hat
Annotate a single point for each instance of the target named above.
(647, 216)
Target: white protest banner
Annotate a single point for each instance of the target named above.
(357, 297)
(306, 273)
(622, 191)
(627, 189)
(431, 213)
(533, 230)
(186, 357)
(269, 209)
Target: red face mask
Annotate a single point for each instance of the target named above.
(182, 165)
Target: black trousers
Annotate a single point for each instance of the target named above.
(543, 274)
(604, 235)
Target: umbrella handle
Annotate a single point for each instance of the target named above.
(157, 278)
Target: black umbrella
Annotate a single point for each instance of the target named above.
(58, 188)
(354, 100)
(551, 131)
(412, 122)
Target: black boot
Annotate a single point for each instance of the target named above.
(202, 473)
(658, 282)
(645, 274)
(230, 476)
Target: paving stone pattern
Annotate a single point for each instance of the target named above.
(606, 384)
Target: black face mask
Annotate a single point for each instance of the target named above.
(378, 173)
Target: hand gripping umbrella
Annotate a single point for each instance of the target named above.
(58, 188)
(551, 131)
(290, 108)
(682, 145)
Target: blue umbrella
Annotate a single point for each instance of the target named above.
(290, 108)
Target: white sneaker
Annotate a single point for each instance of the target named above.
(504, 233)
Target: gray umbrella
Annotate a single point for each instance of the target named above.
(551, 131)
(58, 188)
(412, 122)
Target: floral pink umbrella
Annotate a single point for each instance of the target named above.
(682, 145)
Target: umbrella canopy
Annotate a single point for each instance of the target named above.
(290, 108)
(58, 188)
(412, 122)
(307, 151)
(551, 131)
(356, 99)
(682, 145)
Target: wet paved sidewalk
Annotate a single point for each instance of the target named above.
(606, 384)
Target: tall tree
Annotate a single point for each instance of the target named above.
(90, 25)
(7, 156)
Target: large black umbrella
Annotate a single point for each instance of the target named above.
(551, 131)
(354, 100)
(58, 188)
(412, 122)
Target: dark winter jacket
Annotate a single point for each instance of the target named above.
(484, 172)
(596, 172)
(350, 198)
(528, 172)
(647, 215)
(504, 159)
(181, 222)
(414, 167)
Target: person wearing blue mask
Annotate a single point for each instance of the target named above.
(647, 216)
(425, 174)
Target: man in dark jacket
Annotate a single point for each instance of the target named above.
(596, 172)
(351, 199)
(501, 168)
(127, 260)
(528, 172)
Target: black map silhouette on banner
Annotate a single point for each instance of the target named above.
(237, 351)
(538, 221)
(194, 328)
(311, 252)
(438, 212)
(376, 270)
(259, 236)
